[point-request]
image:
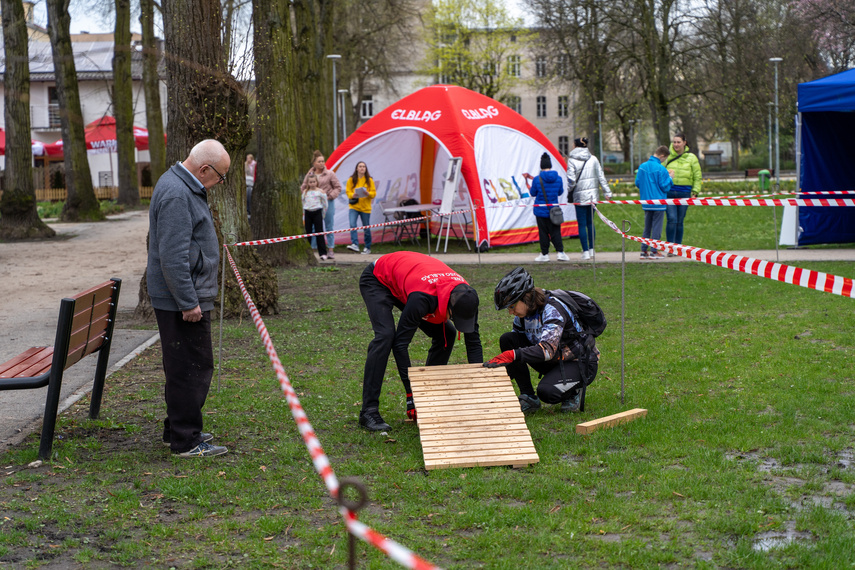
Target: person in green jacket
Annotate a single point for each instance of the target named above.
(685, 171)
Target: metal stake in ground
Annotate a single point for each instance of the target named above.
(352, 506)
(626, 227)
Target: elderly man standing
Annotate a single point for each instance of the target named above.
(183, 255)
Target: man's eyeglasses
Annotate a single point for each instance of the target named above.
(222, 176)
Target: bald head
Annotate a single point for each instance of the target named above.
(209, 162)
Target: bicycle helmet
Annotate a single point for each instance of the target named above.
(512, 287)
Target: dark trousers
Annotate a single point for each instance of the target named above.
(553, 387)
(585, 221)
(652, 226)
(314, 220)
(379, 301)
(188, 363)
(546, 232)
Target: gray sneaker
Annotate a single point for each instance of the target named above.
(353, 247)
(573, 404)
(529, 404)
(204, 450)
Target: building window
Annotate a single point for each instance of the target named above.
(563, 106)
(540, 66)
(564, 145)
(53, 109)
(562, 65)
(515, 103)
(367, 108)
(514, 65)
(541, 107)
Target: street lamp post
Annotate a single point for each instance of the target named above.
(632, 123)
(776, 60)
(599, 105)
(334, 57)
(771, 164)
(342, 93)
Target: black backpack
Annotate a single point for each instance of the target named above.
(587, 312)
(593, 321)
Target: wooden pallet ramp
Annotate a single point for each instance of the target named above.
(470, 415)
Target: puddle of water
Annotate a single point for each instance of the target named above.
(766, 541)
(608, 537)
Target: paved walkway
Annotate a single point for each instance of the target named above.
(34, 276)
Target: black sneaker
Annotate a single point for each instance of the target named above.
(529, 404)
(373, 421)
(206, 438)
(204, 450)
(573, 404)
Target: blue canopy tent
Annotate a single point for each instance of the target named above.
(827, 120)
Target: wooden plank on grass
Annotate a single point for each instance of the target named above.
(470, 416)
(610, 421)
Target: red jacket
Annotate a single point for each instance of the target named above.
(406, 272)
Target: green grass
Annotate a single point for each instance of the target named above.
(748, 384)
(54, 209)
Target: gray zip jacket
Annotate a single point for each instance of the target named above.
(183, 251)
(590, 179)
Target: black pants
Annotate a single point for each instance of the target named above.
(546, 232)
(188, 363)
(553, 388)
(379, 301)
(314, 220)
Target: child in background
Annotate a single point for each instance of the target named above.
(314, 209)
(653, 182)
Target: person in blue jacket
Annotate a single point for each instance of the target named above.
(546, 187)
(653, 182)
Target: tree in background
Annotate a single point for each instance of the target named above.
(80, 202)
(377, 39)
(205, 101)
(123, 106)
(313, 41)
(19, 216)
(580, 39)
(832, 24)
(277, 208)
(151, 88)
(470, 43)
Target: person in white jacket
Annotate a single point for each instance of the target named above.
(584, 179)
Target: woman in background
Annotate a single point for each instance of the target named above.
(328, 182)
(584, 178)
(360, 193)
(685, 171)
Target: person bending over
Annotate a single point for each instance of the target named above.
(547, 336)
(431, 296)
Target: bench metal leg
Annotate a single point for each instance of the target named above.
(104, 354)
(60, 353)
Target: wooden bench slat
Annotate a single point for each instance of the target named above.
(27, 354)
(87, 331)
(100, 292)
(32, 362)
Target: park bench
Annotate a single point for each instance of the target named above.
(85, 326)
(753, 172)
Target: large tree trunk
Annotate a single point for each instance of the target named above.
(151, 88)
(205, 102)
(277, 209)
(80, 203)
(123, 106)
(314, 41)
(19, 216)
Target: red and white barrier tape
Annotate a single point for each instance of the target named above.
(775, 271)
(395, 551)
(828, 202)
(380, 225)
